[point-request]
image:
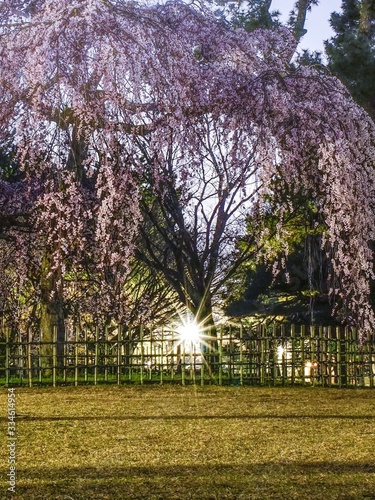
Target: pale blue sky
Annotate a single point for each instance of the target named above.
(317, 24)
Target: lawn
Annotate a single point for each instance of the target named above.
(172, 442)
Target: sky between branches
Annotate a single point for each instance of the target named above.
(317, 22)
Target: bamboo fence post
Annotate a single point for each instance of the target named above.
(106, 353)
(86, 354)
(202, 367)
(151, 355)
(7, 357)
(371, 355)
(76, 356)
(284, 372)
(119, 335)
(54, 355)
(232, 354)
(142, 353)
(29, 359)
(96, 355)
(40, 363)
(172, 357)
(313, 353)
(241, 356)
(338, 355)
(20, 358)
(129, 353)
(262, 341)
(303, 358)
(322, 361)
(64, 359)
(344, 356)
(161, 363)
(192, 362)
(221, 355)
(274, 351)
(183, 363)
(293, 346)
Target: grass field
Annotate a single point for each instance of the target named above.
(180, 443)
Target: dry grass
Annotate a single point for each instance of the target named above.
(180, 443)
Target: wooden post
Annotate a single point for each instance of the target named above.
(54, 355)
(7, 357)
(371, 355)
(192, 362)
(202, 368)
(284, 358)
(161, 362)
(76, 357)
(293, 344)
(241, 356)
(86, 356)
(313, 353)
(64, 358)
(172, 356)
(29, 359)
(20, 365)
(119, 332)
(96, 355)
(106, 353)
(274, 351)
(329, 356)
(343, 357)
(40, 363)
(303, 357)
(338, 355)
(221, 356)
(142, 354)
(183, 363)
(262, 340)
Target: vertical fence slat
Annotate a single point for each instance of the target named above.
(142, 353)
(96, 355)
(119, 337)
(54, 355)
(29, 358)
(76, 346)
(221, 354)
(7, 357)
(86, 355)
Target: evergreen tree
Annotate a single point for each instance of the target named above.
(351, 52)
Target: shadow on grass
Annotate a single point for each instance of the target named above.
(276, 480)
(258, 416)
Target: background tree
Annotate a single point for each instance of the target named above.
(297, 292)
(351, 51)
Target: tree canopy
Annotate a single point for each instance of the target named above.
(351, 51)
(161, 121)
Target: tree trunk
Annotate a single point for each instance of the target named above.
(204, 317)
(51, 317)
(366, 15)
(299, 27)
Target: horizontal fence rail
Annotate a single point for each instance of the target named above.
(277, 355)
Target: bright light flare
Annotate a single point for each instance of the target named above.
(189, 332)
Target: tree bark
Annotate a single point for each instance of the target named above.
(299, 27)
(367, 10)
(204, 317)
(51, 316)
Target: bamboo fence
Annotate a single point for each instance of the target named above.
(264, 355)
